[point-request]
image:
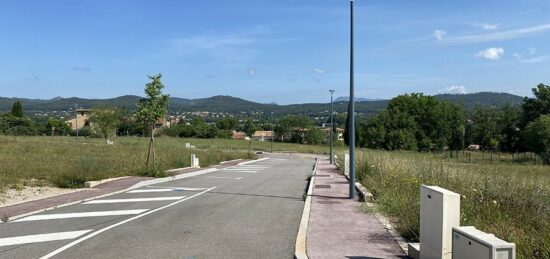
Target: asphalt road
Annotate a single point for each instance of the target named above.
(248, 211)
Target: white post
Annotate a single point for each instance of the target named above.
(346, 164)
(187, 145)
(193, 161)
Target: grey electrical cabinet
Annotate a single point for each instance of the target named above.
(471, 243)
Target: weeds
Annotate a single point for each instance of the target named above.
(509, 200)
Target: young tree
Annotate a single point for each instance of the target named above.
(17, 109)
(106, 120)
(249, 128)
(151, 109)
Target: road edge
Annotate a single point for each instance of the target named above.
(300, 251)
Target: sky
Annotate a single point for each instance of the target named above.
(283, 51)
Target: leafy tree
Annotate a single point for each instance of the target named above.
(229, 123)
(56, 126)
(151, 109)
(17, 109)
(106, 120)
(535, 107)
(537, 137)
(292, 128)
(483, 128)
(314, 136)
(508, 126)
(11, 125)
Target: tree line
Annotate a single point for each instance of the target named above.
(423, 123)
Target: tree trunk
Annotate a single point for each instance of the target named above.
(249, 144)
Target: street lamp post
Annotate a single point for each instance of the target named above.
(331, 125)
(76, 119)
(272, 135)
(351, 113)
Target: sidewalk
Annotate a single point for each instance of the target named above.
(338, 228)
(102, 189)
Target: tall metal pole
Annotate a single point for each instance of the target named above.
(351, 113)
(331, 124)
(76, 119)
(272, 135)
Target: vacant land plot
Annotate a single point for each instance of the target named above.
(69, 162)
(508, 199)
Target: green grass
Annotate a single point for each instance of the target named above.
(505, 198)
(67, 162)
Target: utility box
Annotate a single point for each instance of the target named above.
(469, 242)
(439, 213)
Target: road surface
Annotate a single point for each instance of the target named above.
(248, 211)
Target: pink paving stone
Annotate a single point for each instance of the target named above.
(338, 228)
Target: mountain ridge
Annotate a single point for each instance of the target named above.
(236, 105)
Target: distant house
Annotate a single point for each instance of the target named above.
(82, 119)
(262, 135)
(238, 135)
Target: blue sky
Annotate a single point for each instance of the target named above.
(282, 51)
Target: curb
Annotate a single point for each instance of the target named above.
(300, 251)
(92, 184)
(135, 186)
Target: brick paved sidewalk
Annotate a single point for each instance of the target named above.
(338, 228)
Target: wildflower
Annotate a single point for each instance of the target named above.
(494, 202)
(463, 196)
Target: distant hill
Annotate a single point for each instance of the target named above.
(486, 99)
(357, 99)
(233, 105)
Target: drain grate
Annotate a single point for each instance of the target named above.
(323, 186)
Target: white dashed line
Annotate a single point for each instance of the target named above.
(155, 190)
(135, 200)
(8, 241)
(81, 215)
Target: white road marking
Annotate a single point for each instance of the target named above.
(221, 177)
(82, 239)
(81, 215)
(8, 241)
(178, 188)
(135, 200)
(244, 171)
(238, 178)
(155, 190)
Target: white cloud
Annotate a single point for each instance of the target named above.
(535, 59)
(319, 71)
(439, 34)
(252, 71)
(498, 36)
(490, 53)
(454, 89)
(487, 26)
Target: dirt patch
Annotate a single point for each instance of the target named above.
(14, 196)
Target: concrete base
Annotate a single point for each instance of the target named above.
(92, 184)
(414, 250)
